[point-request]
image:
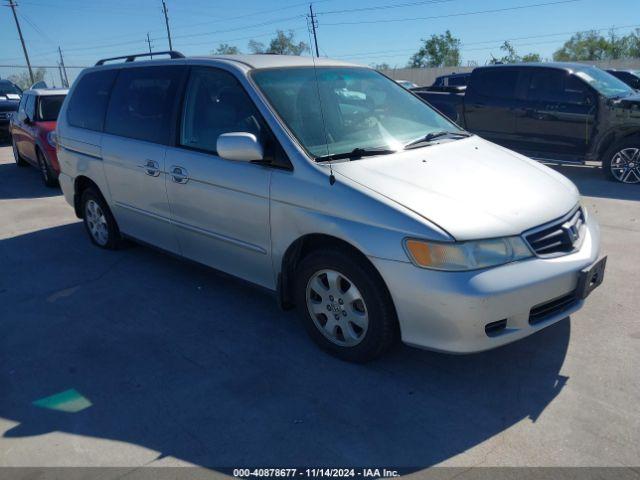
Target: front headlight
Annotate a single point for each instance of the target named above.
(472, 255)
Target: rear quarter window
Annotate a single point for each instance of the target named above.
(88, 103)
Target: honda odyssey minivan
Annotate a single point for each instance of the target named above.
(330, 184)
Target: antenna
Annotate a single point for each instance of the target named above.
(332, 178)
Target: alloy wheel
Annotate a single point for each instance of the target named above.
(337, 308)
(625, 165)
(97, 223)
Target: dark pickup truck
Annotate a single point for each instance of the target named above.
(555, 111)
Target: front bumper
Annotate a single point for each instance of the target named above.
(448, 311)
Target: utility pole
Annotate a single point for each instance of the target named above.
(314, 24)
(149, 42)
(60, 72)
(13, 6)
(65, 83)
(166, 21)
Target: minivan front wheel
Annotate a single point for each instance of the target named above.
(98, 220)
(345, 306)
(622, 162)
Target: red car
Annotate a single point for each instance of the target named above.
(32, 131)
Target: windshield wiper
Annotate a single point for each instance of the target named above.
(355, 154)
(429, 137)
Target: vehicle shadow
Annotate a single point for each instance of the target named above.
(174, 357)
(591, 182)
(23, 182)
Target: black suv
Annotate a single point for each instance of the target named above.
(9, 100)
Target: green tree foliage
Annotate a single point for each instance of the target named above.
(226, 49)
(23, 80)
(283, 44)
(511, 56)
(593, 46)
(437, 51)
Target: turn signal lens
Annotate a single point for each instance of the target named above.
(471, 255)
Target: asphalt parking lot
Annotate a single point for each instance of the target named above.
(169, 363)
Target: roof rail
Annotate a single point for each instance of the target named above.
(131, 58)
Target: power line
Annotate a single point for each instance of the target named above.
(462, 14)
(384, 7)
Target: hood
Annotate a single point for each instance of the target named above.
(471, 188)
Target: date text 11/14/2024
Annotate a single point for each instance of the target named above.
(315, 472)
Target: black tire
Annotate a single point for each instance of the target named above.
(113, 237)
(21, 162)
(632, 177)
(48, 177)
(382, 330)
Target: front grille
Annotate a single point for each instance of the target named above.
(545, 310)
(560, 237)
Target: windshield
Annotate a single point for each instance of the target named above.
(604, 82)
(8, 88)
(49, 107)
(360, 109)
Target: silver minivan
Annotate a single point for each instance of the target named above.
(330, 184)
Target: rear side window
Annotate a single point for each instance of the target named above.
(142, 103)
(496, 82)
(49, 107)
(88, 103)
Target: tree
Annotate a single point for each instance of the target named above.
(511, 56)
(23, 80)
(282, 44)
(438, 51)
(226, 49)
(583, 46)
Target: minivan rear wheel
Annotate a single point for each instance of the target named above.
(98, 220)
(345, 306)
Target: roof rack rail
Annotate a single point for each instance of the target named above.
(131, 58)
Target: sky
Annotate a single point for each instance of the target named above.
(361, 31)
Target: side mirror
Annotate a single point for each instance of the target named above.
(241, 146)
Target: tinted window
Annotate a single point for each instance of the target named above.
(49, 107)
(88, 103)
(556, 86)
(215, 103)
(496, 82)
(142, 103)
(458, 81)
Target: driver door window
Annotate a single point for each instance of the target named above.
(215, 103)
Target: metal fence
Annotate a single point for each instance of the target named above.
(426, 76)
(53, 75)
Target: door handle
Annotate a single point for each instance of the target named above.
(151, 168)
(179, 174)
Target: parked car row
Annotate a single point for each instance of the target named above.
(355, 201)
(562, 111)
